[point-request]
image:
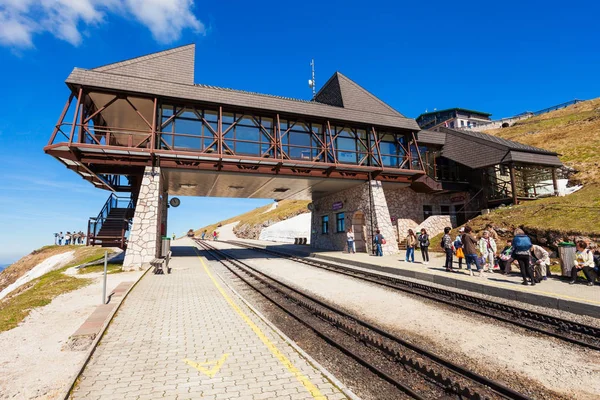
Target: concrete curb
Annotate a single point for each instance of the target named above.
(336, 382)
(65, 394)
(540, 300)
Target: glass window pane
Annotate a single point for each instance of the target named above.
(188, 113)
(167, 111)
(228, 134)
(345, 144)
(211, 116)
(168, 127)
(299, 139)
(166, 138)
(348, 158)
(247, 133)
(247, 120)
(247, 148)
(188, 126)
(317, 128)
(228, 118)
(267, 123)
(187, 142)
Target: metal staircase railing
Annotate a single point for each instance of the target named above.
(121, 222)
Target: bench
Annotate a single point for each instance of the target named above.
(160, 264)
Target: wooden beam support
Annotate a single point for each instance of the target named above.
(513, 183)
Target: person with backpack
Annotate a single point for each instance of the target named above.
(424, 245)
(378, 240)
(470, 248)
(458, 248)
(448, 248)
(411, 243)
(488, 249)
(521, 244)
(584, 261)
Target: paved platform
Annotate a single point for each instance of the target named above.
(553, 293)
(187, 336)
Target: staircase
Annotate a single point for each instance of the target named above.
(111, 227)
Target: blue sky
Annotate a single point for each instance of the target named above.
(503, 58)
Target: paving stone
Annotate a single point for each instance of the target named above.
(169, 318)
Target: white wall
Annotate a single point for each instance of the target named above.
(286, 231)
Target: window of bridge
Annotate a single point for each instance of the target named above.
(299, 140)
(246, 134)
(187, 128)
(392, 147)
(351, 145)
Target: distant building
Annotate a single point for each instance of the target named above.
(455, 118)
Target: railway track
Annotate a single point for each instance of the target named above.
(413, 371)
(565, 330)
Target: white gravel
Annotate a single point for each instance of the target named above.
(49, 264)
(286, 231)
(33, 364)
(555, 365)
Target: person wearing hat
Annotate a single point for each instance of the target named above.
(458, 246)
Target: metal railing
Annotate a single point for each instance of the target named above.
(95, 224)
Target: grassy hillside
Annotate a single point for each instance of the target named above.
(260, 217)
(574, 133)
(40, 292)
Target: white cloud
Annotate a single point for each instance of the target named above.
(21, 20)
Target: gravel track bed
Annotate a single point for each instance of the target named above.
(581, 319)
(523, 361)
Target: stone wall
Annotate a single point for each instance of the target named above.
(405, 203)
(144, 239)
(353, 201)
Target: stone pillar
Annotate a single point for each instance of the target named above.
(144, 238)
(381, 218)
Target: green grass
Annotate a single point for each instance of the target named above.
(36, 293)
(41, 291)
(111, 269)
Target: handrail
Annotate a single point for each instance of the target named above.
(95, 223)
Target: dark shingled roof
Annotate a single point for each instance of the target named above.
(341, 91)
(170, 74)
(478, 150)
(431, 137)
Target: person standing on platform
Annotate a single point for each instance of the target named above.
(448, 247)
(68, 238)
(584, 261)
(424, 245)
(60, 238)
(350, 241)
(378, 240)
(521, 244)
(458, 248)
(411, 243)
(203, 235)
(470, 248)
(488, 249)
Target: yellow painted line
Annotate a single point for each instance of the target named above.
(312, 389)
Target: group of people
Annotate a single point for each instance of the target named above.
(69, 238)
(482, 254)
(205, 235)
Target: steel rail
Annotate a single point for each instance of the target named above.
(564, 328)
(219, 256)
(461, 392)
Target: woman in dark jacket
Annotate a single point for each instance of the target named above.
(521, 247)
(424, 244)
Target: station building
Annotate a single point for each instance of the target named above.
(145, 131)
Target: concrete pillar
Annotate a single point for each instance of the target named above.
(144, 238)
(381, 218)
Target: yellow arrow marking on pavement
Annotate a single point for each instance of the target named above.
(214, 364)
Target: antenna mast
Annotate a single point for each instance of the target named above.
(311, 82)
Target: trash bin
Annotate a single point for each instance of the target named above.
(566, 252)
(166, 246)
